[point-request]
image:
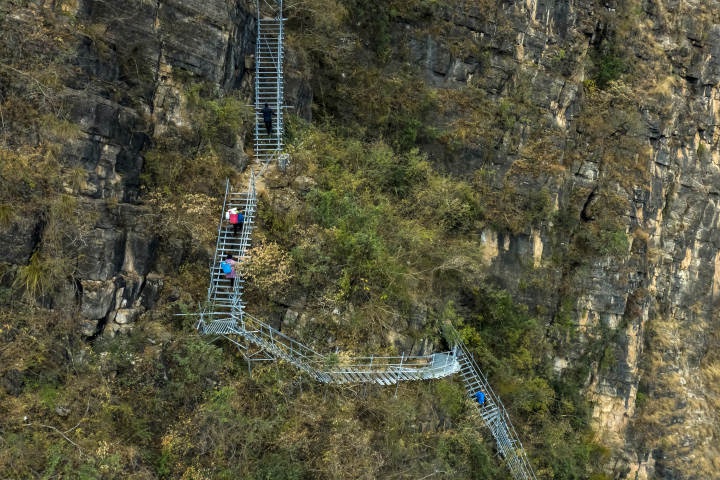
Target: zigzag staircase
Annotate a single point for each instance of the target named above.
(224, 312)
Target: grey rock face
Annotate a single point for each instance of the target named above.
(109, 149)
(19, 240)
(657, 300)
(101, 256)
(97, 299)
(121, 97)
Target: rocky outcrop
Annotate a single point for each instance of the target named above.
(19, 240)
(652, 306)
(126, 91)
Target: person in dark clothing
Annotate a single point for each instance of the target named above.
(268, 113)
(237, 227)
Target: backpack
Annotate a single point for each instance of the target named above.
(226, 267)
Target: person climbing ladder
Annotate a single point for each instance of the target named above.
(268, 114)
(228, 268)
(236, 219)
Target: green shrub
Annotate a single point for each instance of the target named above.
(279, 466)
(610, 67)
(41, 276)
(450, 398)
(394, 173)
(7, 215)
(372, 21)
(219, 119)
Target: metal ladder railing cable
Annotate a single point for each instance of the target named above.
(219, 237)
(280, 345)
(274, 6)
(385, 370)
(326, 368)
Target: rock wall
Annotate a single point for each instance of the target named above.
(124, 93)
(654, 402)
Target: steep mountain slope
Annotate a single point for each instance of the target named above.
(542, 173)
(609, 110)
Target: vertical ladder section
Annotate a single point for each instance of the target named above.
(494, 416)
(269, 85)
(225, 296)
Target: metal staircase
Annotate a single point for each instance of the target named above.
(224, 312)
(494, 416)
(224, 298)
(245, 330)
(269, 80)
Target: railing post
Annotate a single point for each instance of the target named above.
(397, 376)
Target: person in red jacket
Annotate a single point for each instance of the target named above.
(236, 219)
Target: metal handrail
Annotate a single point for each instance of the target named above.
(508, 442)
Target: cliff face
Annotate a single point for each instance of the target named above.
(124, 94)
(132, 50)
(645, 146)
(608, 109)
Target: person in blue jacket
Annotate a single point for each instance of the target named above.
(237, 227)
(480, 396)
(228, 268)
